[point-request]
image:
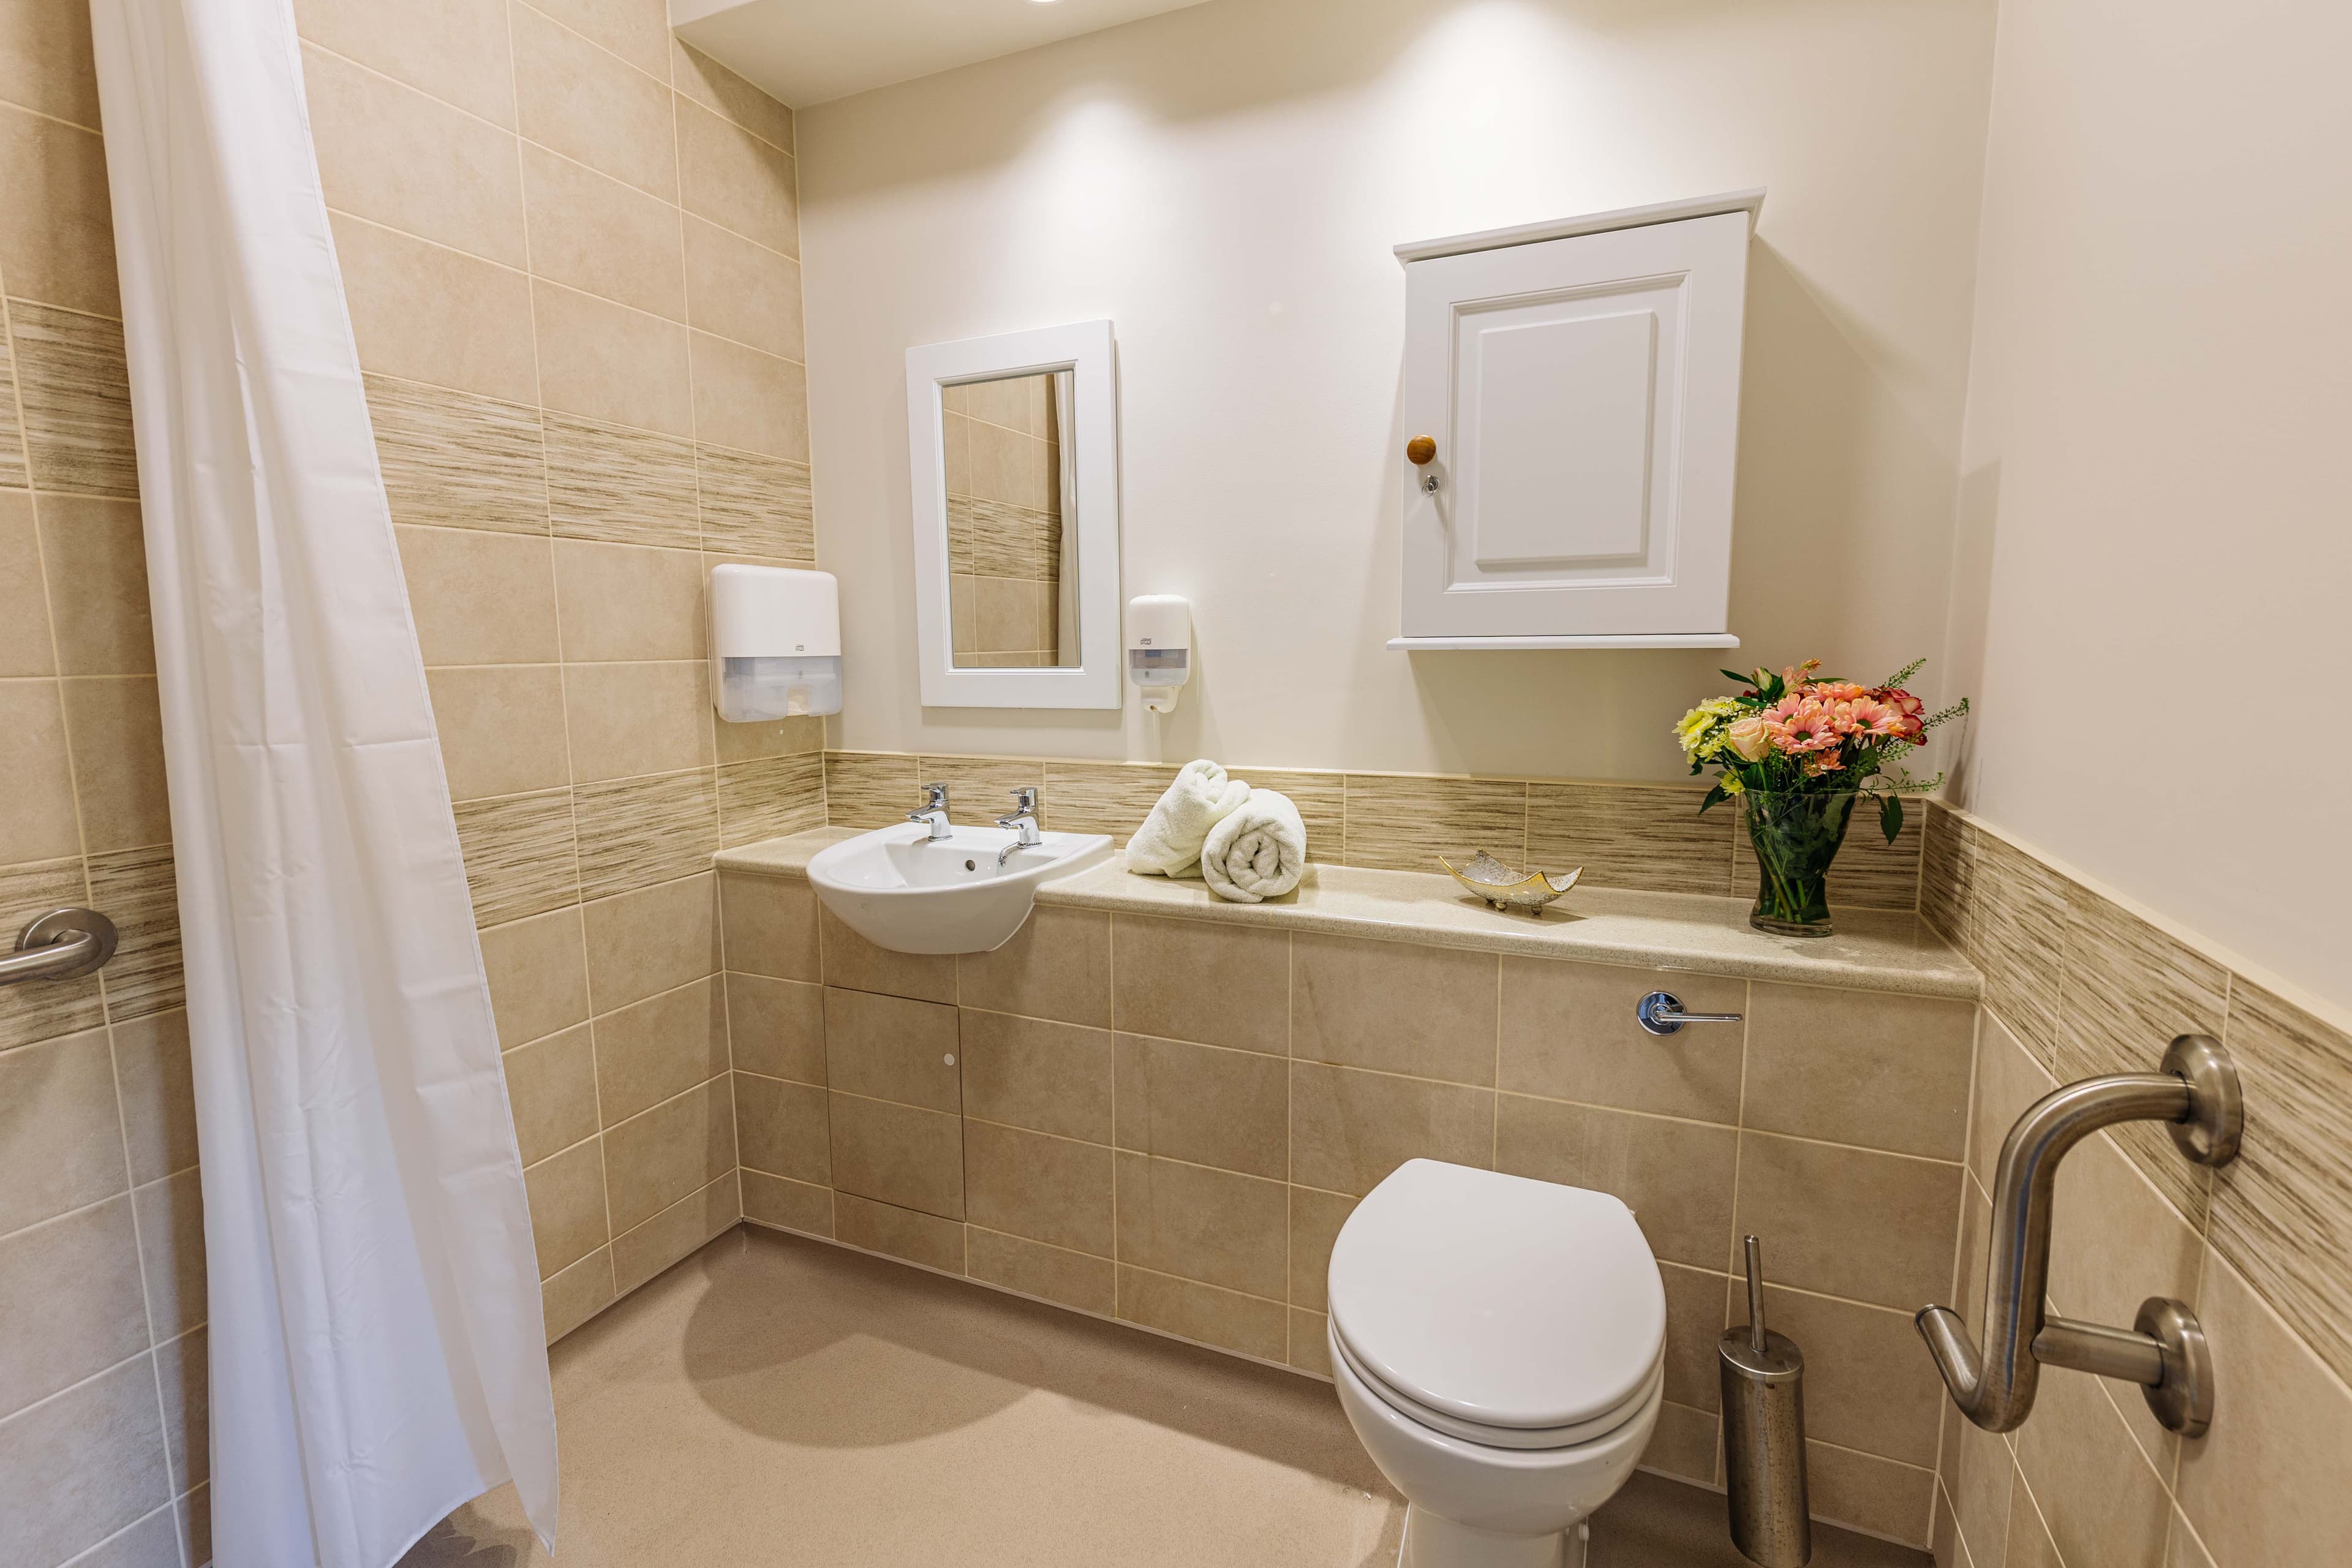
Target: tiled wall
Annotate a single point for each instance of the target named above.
(2078, 984)
(1649, 837)
(569, 245)
(1166, 1120)
(1003, 456)
(103, 1411)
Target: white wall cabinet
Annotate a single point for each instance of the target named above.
(1573, 392)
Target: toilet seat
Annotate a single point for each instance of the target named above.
(1505, 1311)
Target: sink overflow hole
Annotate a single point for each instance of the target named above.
(971, 866)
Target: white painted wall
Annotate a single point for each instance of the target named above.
(1225, 184)
(2153, 577)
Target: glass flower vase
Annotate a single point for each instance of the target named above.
(1796, 837)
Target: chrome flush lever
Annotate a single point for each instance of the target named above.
(1661, 1012)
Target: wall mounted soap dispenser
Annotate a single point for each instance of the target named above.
(1160, 647)
(775, 643)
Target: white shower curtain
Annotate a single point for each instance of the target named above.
(377, 1355)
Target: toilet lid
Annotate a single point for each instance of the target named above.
(1498, 1300)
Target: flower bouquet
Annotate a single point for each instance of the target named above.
(1799, 751)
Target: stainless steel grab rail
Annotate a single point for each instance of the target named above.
(59, 945)
(2164, 1352)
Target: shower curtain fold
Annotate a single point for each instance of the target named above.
(377, 1346)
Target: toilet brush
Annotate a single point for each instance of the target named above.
(1764, 1434)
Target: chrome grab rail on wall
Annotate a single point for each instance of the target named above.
(59, 945)
(2164, 1351)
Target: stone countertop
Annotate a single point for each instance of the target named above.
(1873, 950)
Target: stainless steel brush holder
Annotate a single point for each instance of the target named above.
(1763, 1378)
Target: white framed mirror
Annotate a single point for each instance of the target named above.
(1012, 449)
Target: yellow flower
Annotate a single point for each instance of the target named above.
(1731, 786)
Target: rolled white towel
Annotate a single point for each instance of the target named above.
(1169, 842)
(1258, 852)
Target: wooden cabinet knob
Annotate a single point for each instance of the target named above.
(1421, 449)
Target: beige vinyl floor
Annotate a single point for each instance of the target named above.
(777, 1403)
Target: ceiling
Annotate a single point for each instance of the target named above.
(812, 52)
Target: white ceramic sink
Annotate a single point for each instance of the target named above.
(900, 889)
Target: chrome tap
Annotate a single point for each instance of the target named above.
(934, 814)
(1024, 822)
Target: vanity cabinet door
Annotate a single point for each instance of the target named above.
(1584, 397)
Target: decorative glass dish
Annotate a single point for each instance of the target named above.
(1508, 887)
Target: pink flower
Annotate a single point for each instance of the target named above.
(1750, 738)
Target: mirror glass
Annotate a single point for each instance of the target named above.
(1013, 536)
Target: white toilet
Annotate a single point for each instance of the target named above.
(1500, 1348)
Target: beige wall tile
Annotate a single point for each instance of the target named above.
(652, 939)
(714, 86)
(898, 1154)
(678, 1147)
(748, 400)
(567, 1205)
(1322, 803)
(980, 789)
(1049, 1273)
(1694, 1323)
(1677, 1176)
(736, 180)
(1868, 1493)
(781, 1129)
(1054, 1190)
(1946, 873)
(2283, 1210)
(184, 1375)
(64, 1147)
(1431, 1012)
(80, 1467)
(741, 290)
(866, 789)
(400, 158)
(661, 1046)
(607, 361)
(41, 822)
(1315, 1221)
(75, 392)
(539, 979)
(1103, 797)
(636, 832)
(155, 1077)
(573, 1295)
(1857, 1067)
(1887, 1238)
(597, 234)
(481, 598)
(1310, 1346)
(1057, 965)
(172, 1252)
(25, 647)
(1190, 979)
(2104, 1504)
(622, 486)
(1682, 1443)
(137, 887)
(1349, 1128)
(1629, 836)
(776, 1028)
(95, 554)
(2009, 1080)
(519, 852)
(851, 961)
(627, 721)
(788, 1206)
(2266, 1487)
(1207, 1104)
(771, 798)
(501, 728)
(66, 256)
(771, 925)
(1045, 1076)
(71, 1292)
(422, 313)
(1404, 823)
(1867, 1384)
(584, 103)
(918, 1238)
(1204, 1313)
(2028, 1544)
(13, 473)
(891, 1047)
(799, 737)
(756, 506)
(1981, 1475)
(640, 1254)
(118, 752)
(1569, 1032)
(193, 1513)
(458, 461)
(453, 49)
(2015, 935)
(1202, 1224)
(45, 58)
(551, 1087)
(636, 30)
